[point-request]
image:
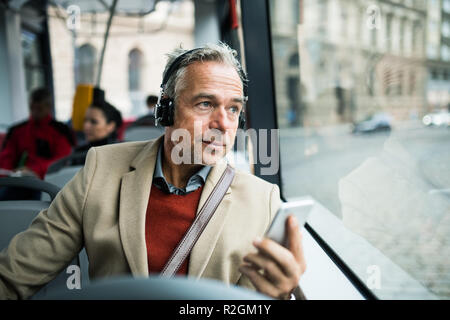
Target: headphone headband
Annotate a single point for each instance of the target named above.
(164, 108)
(174, 66)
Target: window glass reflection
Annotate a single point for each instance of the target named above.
(366, 109)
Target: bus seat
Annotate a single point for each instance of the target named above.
(138, 133)
(63, 176)
(158, 288)
(31, 183)
(17, 215)
(76, 158)
(125, 125)
(61, 171)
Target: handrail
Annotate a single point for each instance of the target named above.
(30, 183)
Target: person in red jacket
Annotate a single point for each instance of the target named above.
(31, 146)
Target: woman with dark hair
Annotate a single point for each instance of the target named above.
(101, 123)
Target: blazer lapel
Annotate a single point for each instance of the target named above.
(203, 249)
(134, 195)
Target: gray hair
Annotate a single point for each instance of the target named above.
(210, 52)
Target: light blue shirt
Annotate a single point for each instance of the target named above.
(195, 181)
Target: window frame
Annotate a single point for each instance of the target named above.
(41, 32)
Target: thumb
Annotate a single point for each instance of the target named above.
(294, 238)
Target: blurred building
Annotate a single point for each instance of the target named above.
(356, 58)
(285, 18)
(438, 54)
(134, 59)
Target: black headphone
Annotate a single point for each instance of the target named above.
(164, 109)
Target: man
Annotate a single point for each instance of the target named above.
(31, 146)
(132, 203)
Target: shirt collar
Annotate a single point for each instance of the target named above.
(195, 181)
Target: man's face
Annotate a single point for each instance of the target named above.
(208, 107)
(39, 109)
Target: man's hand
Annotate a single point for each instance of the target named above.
(275, 270)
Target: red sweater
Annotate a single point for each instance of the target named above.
(43, 142)
(169, 216)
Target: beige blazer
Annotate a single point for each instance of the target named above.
(103, 208)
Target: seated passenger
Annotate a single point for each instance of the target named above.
(31, 146)
(132, 203)
(101, 122)
(100, 126)
(149, 118)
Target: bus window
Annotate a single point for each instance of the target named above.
(368, 118)
(33, 61)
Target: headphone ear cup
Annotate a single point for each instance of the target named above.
(165, 113)
(170, 113)
(242, 120)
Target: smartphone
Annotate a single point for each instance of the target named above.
(299, 208)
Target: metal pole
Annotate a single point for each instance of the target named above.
(108, 26)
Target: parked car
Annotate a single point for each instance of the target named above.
(437, 118)
(375, 123)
